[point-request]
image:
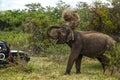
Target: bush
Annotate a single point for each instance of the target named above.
(17, 40)
(114, 59)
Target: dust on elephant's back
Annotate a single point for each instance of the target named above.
(95, 45)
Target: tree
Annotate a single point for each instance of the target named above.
(57, 12)
(100, 19)
(35, 7)
(115, 15)
(84, 13)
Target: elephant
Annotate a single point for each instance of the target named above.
(91, 44)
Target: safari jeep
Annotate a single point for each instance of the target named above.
(7, 55)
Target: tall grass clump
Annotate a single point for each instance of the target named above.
(114, 57)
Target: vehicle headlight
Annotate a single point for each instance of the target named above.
(2, 56)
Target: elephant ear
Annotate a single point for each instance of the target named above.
(70, 36)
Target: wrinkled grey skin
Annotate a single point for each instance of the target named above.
(88, 43)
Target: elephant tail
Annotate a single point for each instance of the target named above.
(71, 17)
(116, 38)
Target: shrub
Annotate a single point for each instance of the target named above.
(114, 59)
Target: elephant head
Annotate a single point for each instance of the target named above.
(62, 34)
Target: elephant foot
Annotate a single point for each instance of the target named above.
(67, 73)
(78, 72)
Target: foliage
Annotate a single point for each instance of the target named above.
(114, 57)
(102, 18)
(16, 39)
(84, 13)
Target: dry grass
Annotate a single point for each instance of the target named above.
(53, 68)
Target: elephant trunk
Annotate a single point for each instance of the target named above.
(51, 34)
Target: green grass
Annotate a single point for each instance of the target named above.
(53, 68)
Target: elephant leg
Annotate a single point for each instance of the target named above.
(72, 58)
(78, 63)
(104, 61)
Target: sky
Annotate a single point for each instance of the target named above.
(20, 4)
